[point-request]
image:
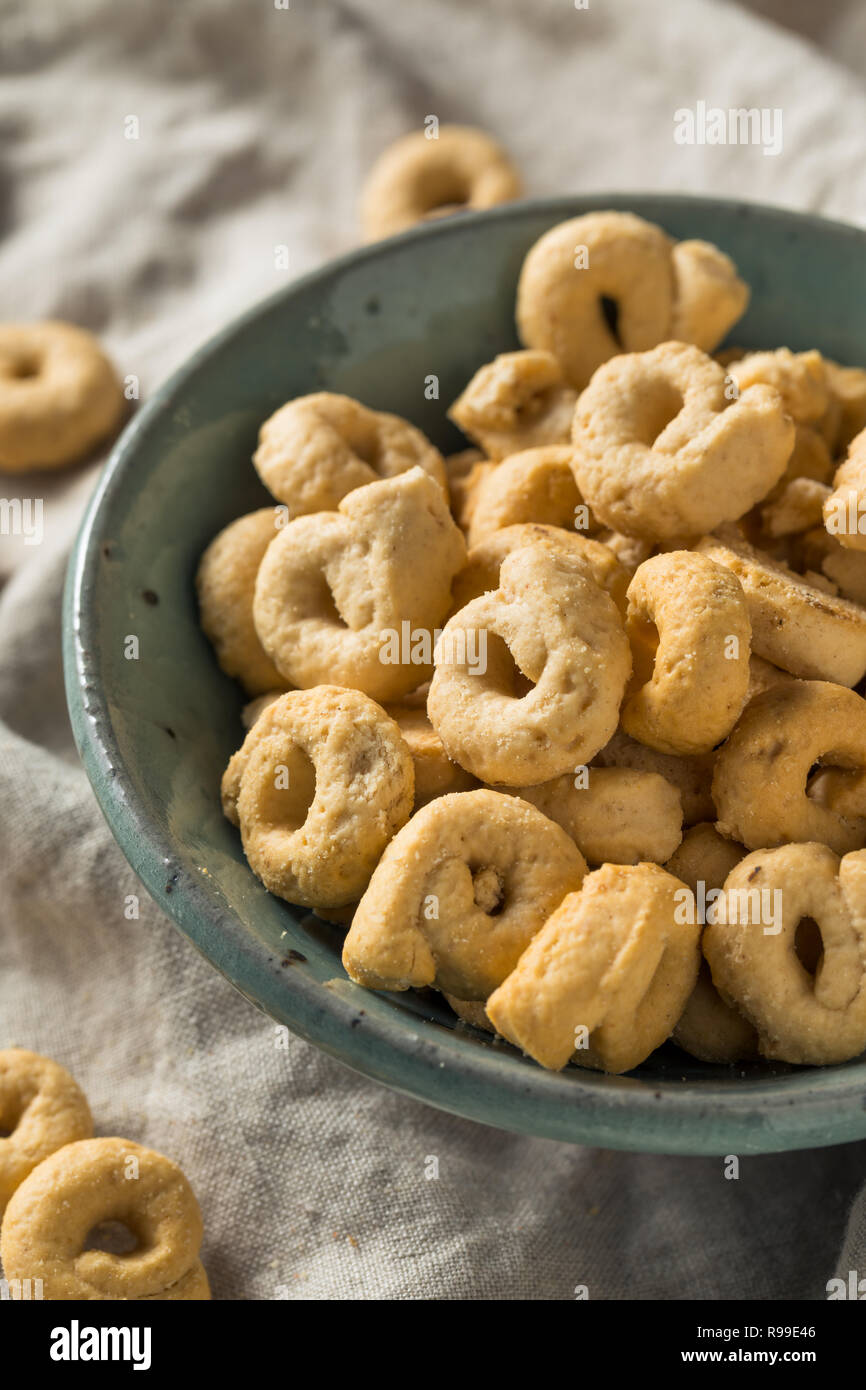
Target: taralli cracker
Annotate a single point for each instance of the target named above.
(536, 485)
(821, 581)
(794, 625)
(529, 678)
(465, 472)
(709, 1028)
(578, 265)
(425, 175)
(692, 775)
(614, 814)
(763, 674)
(583, 272)
(847, 409)
(353, 597)
(435, 773)
(59, 395)
(629, 550)
(605, 980)
(815, 1013)
(458, 895)
(760, 782)
(845, 507)
(41, 1109)
(689, 631)
(469, 1012)
(256, 726)
(321, 783)
(798, 507)
(704, 857)
(654, 432)
(517, 402)
(481, 572)
(86, 1185)
(709, 296)
(251, 711)
(837, 565)
(809, 458)
(725, 356)
(317, 449)
(226, 582)
(799, 377)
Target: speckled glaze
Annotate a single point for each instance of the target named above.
(155, 734)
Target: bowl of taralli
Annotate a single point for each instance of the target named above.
(467, 650)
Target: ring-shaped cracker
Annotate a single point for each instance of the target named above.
(799, 377)
(654, 433)
(317, 449)
(812, 1017)
(59, 395)
(709, 1028)
(691, 774)
(615, 815)
(795, 625)
(610, 282)
(709, 296)
(845, 508)
(435, 773)
(529, 678)
(458, 895)
(226, 582)
(536, 485)
(484, 560)
(689, 631)
(319, 786)
(41, 1109)
(96, 1181)
(846, 415)
(578, 268)
(611, 968)
(518, 401)
(761, 774)
(353, 597)
(423, 175)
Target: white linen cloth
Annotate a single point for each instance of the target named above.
(256, 125)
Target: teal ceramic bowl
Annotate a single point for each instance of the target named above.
(156, 733)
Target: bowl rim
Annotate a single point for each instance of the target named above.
(770, 1115)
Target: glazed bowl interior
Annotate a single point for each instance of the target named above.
(155, 733)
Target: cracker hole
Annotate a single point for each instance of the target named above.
(643, 637)
(289, 793)
(503, 673)
(808, 944)
(839, 788)
(368, 448)
(23, 368)
(440, 192)
(327, 610)
(815, 783)
(10, 1119)
(610, 313)
(664, 406)
(445, 210)
(114, 1237)
(488, 890)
